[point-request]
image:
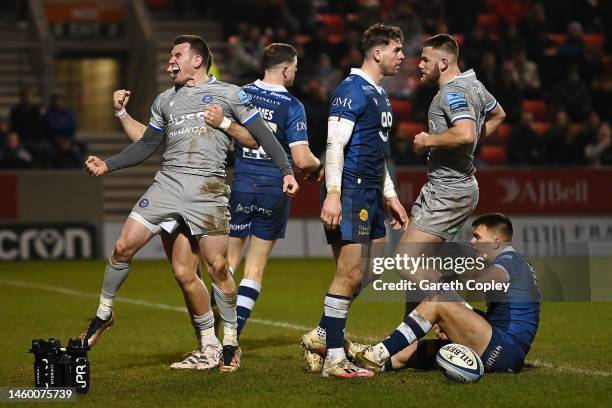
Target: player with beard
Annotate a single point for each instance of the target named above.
(461, 112)
(190, 189)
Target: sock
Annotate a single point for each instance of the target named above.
(213, 302)
(227, 310)
(334, 322)
(388, 365)
(248, 291)
(414, 327)
(114, 275)
(204, 327)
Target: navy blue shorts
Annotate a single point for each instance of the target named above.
(263, 215)
(363, 216)
(503, 354)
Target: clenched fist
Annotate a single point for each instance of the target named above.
(95, 166)
(213, 116)
(120, 99)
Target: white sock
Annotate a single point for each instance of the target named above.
(334, 355)
(106, 308)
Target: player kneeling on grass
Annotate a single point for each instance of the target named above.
(502, 336)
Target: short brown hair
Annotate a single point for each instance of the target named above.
(380, 34)
(444, 42)
(277, 53)
(496, 221)
(198, 46)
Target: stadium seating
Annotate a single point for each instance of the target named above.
(537, 107)
(402, 109)
(540, 128)
(492, 154)
(410, 129)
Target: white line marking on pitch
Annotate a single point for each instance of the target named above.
(273, 323)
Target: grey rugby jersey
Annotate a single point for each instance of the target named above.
(193, 147)
(462, 98)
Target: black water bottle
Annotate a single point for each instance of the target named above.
(79, 365)
(47, 372)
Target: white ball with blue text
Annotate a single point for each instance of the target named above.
(460, 363)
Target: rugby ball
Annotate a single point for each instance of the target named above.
(460, 363)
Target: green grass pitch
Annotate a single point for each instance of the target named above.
(130, 364)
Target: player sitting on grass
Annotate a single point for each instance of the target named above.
(502, 336)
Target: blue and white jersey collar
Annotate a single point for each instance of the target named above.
(358, 71)
(269, 87)
(465, 74)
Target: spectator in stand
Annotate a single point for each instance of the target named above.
(572, 50)
(4, 130)
(26, 119)
(509, 41)
(476, 43)
(524, 145)
(508, 92)
(67, 155)
(59, 120)
(589, 130)
(409, 23)
(599, 151)
(562, 146)
(430, 12)
(528, 77)
(559, 12)
(572, 96)
(245, 51)
(486, 71)
(13, 155)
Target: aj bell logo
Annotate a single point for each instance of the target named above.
(46, 242)
(544, 192)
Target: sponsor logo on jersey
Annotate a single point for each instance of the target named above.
(367, 87)
(456, 101)
(363, 215)
(207, 99)
(244, 98)
(239, 227)
(363, 231)
(281, 96)
(301, 126)
(253, 209)
(344, 102)
(144, 203)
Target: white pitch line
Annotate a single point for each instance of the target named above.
(273, 323)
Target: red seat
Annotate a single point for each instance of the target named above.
(499, 137)
(488, 22)
(459, 38)
(334, 23)
(402, 109)
(409, 129)
(540, 127)
(595, 41)
(558, 38)
(492, 154)
(537, 107)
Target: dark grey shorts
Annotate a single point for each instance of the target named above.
(202, 202)
(442, 211)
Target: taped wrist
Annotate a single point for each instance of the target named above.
(339, 132)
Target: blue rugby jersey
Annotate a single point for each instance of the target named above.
(518, 312)
(286, 117)
(359, 100)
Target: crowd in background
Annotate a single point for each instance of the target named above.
(36, 136)
(548, 63)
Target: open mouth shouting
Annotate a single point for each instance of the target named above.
(173, 70)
